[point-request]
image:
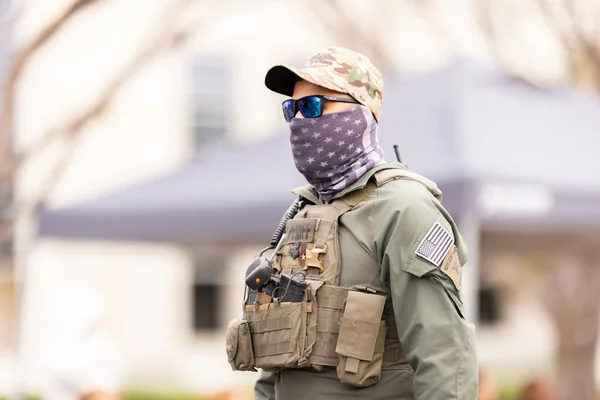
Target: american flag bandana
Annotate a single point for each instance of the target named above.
(335, 150)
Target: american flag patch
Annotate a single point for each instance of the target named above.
(435, 244)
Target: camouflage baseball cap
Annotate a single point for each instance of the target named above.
(338, 69)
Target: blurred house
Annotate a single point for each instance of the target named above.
(166, 305)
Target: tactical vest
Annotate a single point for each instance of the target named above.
(350, 328)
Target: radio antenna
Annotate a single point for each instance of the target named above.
(397, 153)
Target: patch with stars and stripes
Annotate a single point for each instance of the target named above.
(435, 244)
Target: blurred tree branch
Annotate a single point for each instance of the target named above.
(346, 26)
(584, 48)
(18, 64)
(485, 18)
(174, 28)
(565, 20)
(167, 38)
(22, 57)
(167, 33)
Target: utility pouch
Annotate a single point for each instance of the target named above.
(361, 340)
(279, 331)
(239, 346)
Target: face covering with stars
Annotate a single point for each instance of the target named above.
(333, 151)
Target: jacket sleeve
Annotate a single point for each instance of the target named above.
(264, 389)
(428, 309)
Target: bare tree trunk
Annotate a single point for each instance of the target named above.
(573, 295)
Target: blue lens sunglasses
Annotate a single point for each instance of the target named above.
(309, 106)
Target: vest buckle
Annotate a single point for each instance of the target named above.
(313, 259)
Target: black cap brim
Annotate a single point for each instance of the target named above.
(282, 79)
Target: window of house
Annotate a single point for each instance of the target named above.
(205, 306)
(489, 305)
(207, 289)
(211, 100)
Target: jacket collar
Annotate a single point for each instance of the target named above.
(309, 193)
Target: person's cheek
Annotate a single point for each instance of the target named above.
(329, 108)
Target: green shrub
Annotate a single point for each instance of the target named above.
(510, 392)
(140, 395)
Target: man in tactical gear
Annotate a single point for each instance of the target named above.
(376, 255)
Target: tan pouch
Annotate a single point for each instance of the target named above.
(361, 340)
(239, 346)
(283, 334)
(278, 333)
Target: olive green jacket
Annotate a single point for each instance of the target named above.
(379, 238)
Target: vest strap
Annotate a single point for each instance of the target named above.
(355, 197)
(381, 178)
(386, 175)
